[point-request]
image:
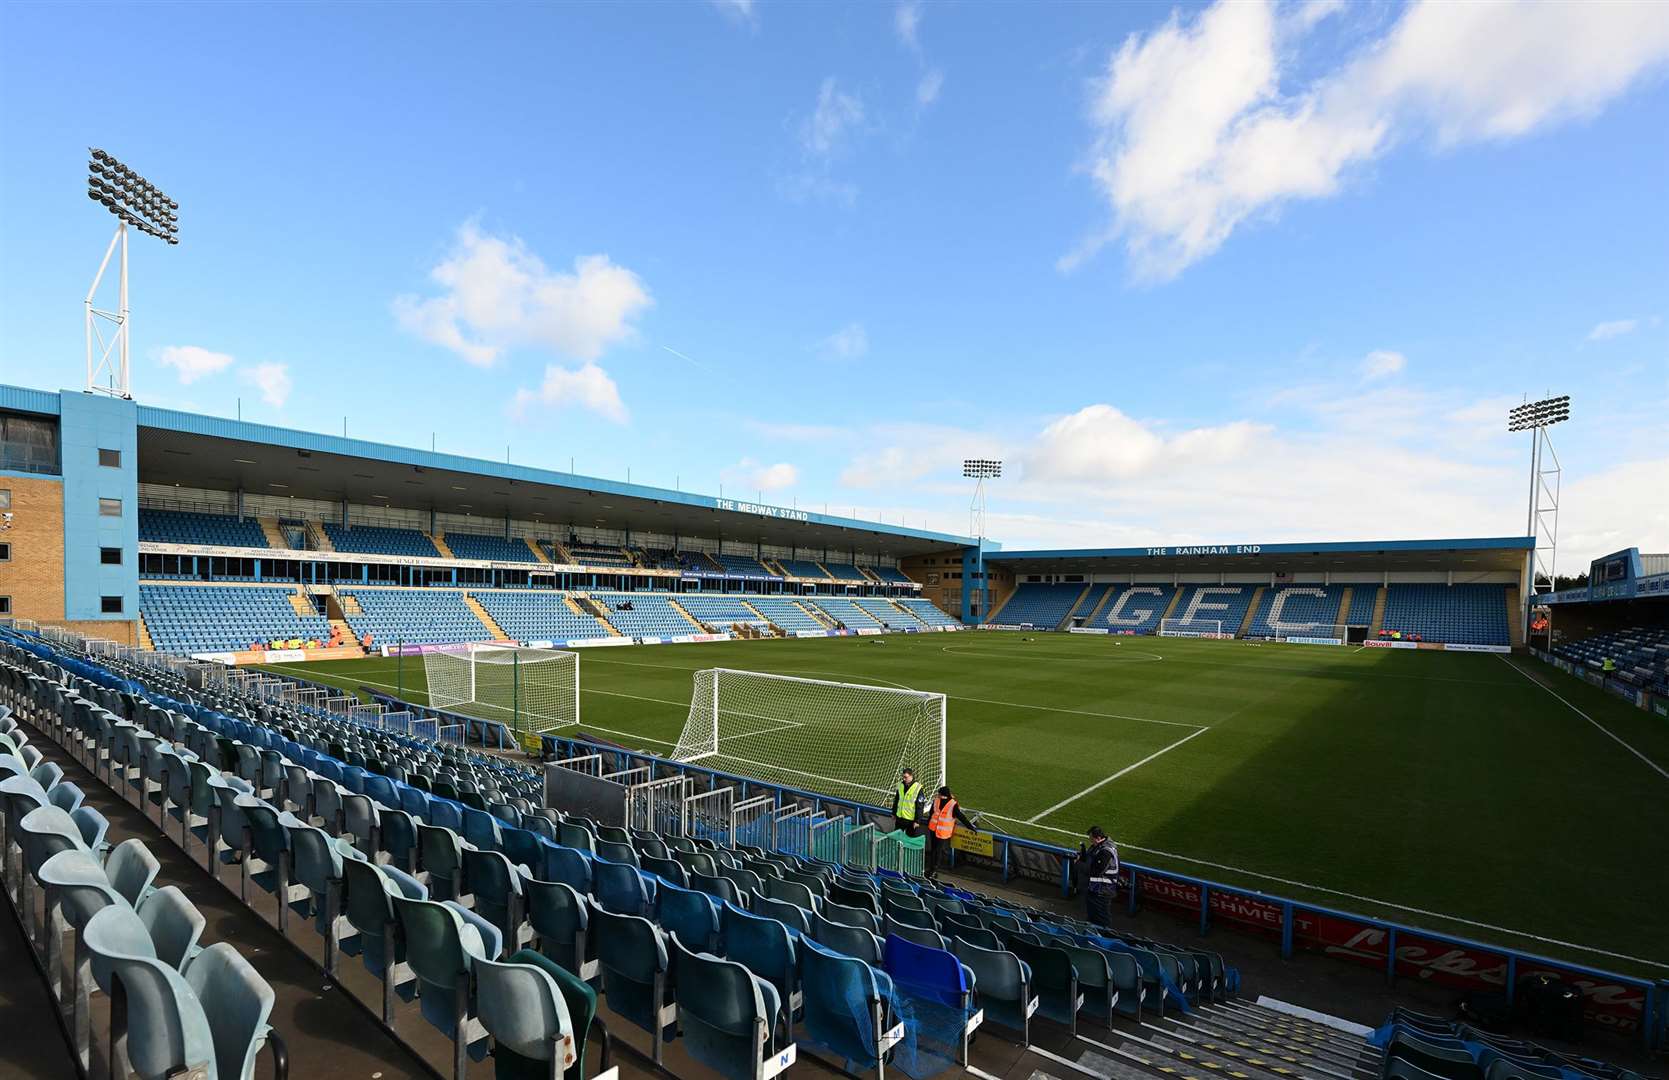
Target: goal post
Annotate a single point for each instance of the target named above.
(849, 740)
(532, 691)
(1316, 634)
(1196, 628)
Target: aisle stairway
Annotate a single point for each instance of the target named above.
(1251, 612)
(1344, 604)
(487, 620)
(538, 552)
(816, 613)
(1176, 598)
(695, 623)
(584, 605)
(274, 535)
(440, 545)
(1378, 613)
(302, 603)
(1067, 621)
(318, 538)
(1100, 605)
(347, 633)
(145, 641)
(350, 604)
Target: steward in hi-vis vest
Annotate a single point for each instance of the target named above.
(941, 826)
(1100, 863)
(906, 804)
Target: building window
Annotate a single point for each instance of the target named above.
(28, 444)
(110, 556)
(5, 553)
(110, 508)
(110, 459)
(5, 605)
(110, 605)
(5, 498)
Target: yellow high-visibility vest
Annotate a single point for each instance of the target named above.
(907, 800)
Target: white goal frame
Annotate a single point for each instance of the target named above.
(480, 691)
(1194, 628)
(919, 743)
(1319, 634)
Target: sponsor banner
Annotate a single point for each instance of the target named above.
(1461, 967)
(1312, 641)
(215, 657)
(284, 656)
(1088, 630)
(974, 843)
(647, 640)
(868, 631)
(1479, 648)
(420, 650)
(593, 643)
(687, 639)
(811, 633)
(1376, 643)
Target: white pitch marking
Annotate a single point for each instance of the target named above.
(1099, 784)
(1650, 764)
(1353, 896)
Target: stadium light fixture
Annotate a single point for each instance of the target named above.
(979, 470)
(137, 203)
(1542, 525)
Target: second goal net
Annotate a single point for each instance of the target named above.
(530, 690)
(1200, 628)
(1312, 633)
(842, 739)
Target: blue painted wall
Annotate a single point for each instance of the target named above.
(91, 422)
(974, 582)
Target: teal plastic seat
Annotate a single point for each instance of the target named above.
(1095, 982)
(926, 938)
(669, 870)
(497, 888)
(581, 1002)
(441, 854)
(398, 837)
(853, 941)
(766, 947)
(746, 880)
(795, 917)
(443, 941)
(1003, 987)
(316, 884)
(369, 912)
(65, 796)
(560, 917)
(632, 958)
(175, 925)
(696, 862)
(360, 820)
(1054, 982)
(620, 888)
(523, 1008)
(153, 1007)
(980, 936)
(901, 916)
(728, 1016)
(76, 890)
(237, 1004)
(721, 887)
(131, 869)
(846, 1008)
(1126, 979)
(789, 891)
(571, 834)
(689, 914)
(850, 916)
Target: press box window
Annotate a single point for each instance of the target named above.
(110, 508)
(110, 605)
(110, 556)
(110, 459)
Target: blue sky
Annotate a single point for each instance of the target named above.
(1198, 273)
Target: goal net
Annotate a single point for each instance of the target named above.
(530, 690)
(1312, 634)
(1201, 628)
(842, 739)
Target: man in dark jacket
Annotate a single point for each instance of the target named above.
(941, 826)
(1100, 862)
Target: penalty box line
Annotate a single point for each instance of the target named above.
(1128, 769)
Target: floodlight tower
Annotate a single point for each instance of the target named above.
(136, 202)
(1543, 522)
(979, 470)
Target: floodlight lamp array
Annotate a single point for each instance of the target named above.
(1539, 414)
(132, 198)
(982, 468)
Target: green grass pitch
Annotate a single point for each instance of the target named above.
(1446, 790)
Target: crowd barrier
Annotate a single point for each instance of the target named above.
(1657, 704)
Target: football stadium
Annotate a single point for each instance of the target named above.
(328, 754)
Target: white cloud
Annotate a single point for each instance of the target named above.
(927, 90)
(741, 11)
(498, 295)
(191, 362)
(848, 343)
(1211, 121)
(749, 474)
(906, 19)
(272, 380)
(827, 130)
(1383, 363)
(1099, 443)
(587, 387)
(1605, 331)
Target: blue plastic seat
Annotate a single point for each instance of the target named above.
(766, 946)
(620, 888)
(689, 914)
(632, 957)
(846, 1006)
(497, 888)
(728, 1016)
(369, 912)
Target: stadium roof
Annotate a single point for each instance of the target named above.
(1479, 553)
(212, 452)
(206, 451)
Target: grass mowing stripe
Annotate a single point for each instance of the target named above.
(1099, 784)
(1613, 736)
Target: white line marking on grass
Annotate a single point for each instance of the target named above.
(1650, 764)
(1099, 784)
(1353, 896)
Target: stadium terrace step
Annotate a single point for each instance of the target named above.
(350, 604)
(1267, 1028)
(584, 605)
(1066, 620)
(1346, 598)
(1225, 1059)
(319, 538)
(1378, 612)
(480, 612)
(816, 613)
(440, 545)
(1212, 1034)
(537, 554)
(274, 535)
(1117, 1068)
(303, 603)
(1171, 607)
(1251, 612)
(348, 652)
(145, 641)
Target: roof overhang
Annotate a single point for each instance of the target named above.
(1473, 553)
